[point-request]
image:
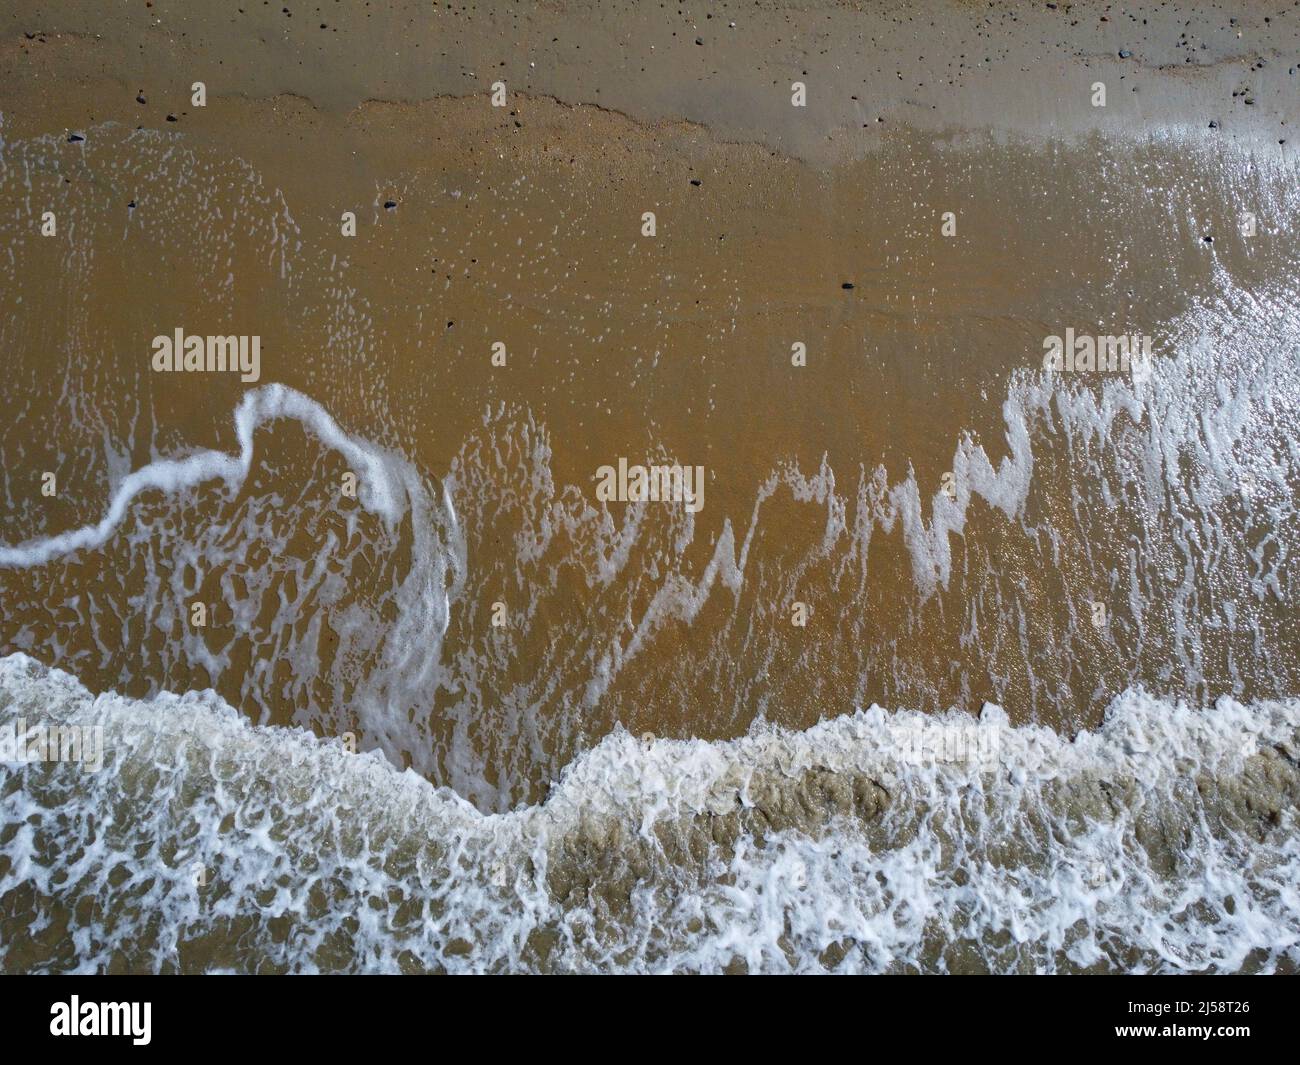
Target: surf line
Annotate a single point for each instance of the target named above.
(259, 406)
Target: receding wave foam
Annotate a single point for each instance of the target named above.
(383, 671)
(377, 486)
(1163, 841)
(1172, 502)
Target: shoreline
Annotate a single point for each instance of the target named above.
(936, 66)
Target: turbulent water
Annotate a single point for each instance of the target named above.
(1163, 842)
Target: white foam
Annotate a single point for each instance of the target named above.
(379, 489)
(1146, 845)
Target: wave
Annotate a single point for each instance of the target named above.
(1164, 841)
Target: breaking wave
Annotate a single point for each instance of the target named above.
(1164, 841)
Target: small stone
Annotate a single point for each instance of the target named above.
(695, 181)
(74, 137)
(847, 285)
(390, 205)
(1124, 53)
(171, 118)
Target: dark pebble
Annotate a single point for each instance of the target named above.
(389, 205)
(141, 100)
(1124, 53)
(1208, 239)
(847, 285)
(1214, 125)
(171, 118)
(695, 181)
(74, 137)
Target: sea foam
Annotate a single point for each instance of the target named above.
(1163, 841)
